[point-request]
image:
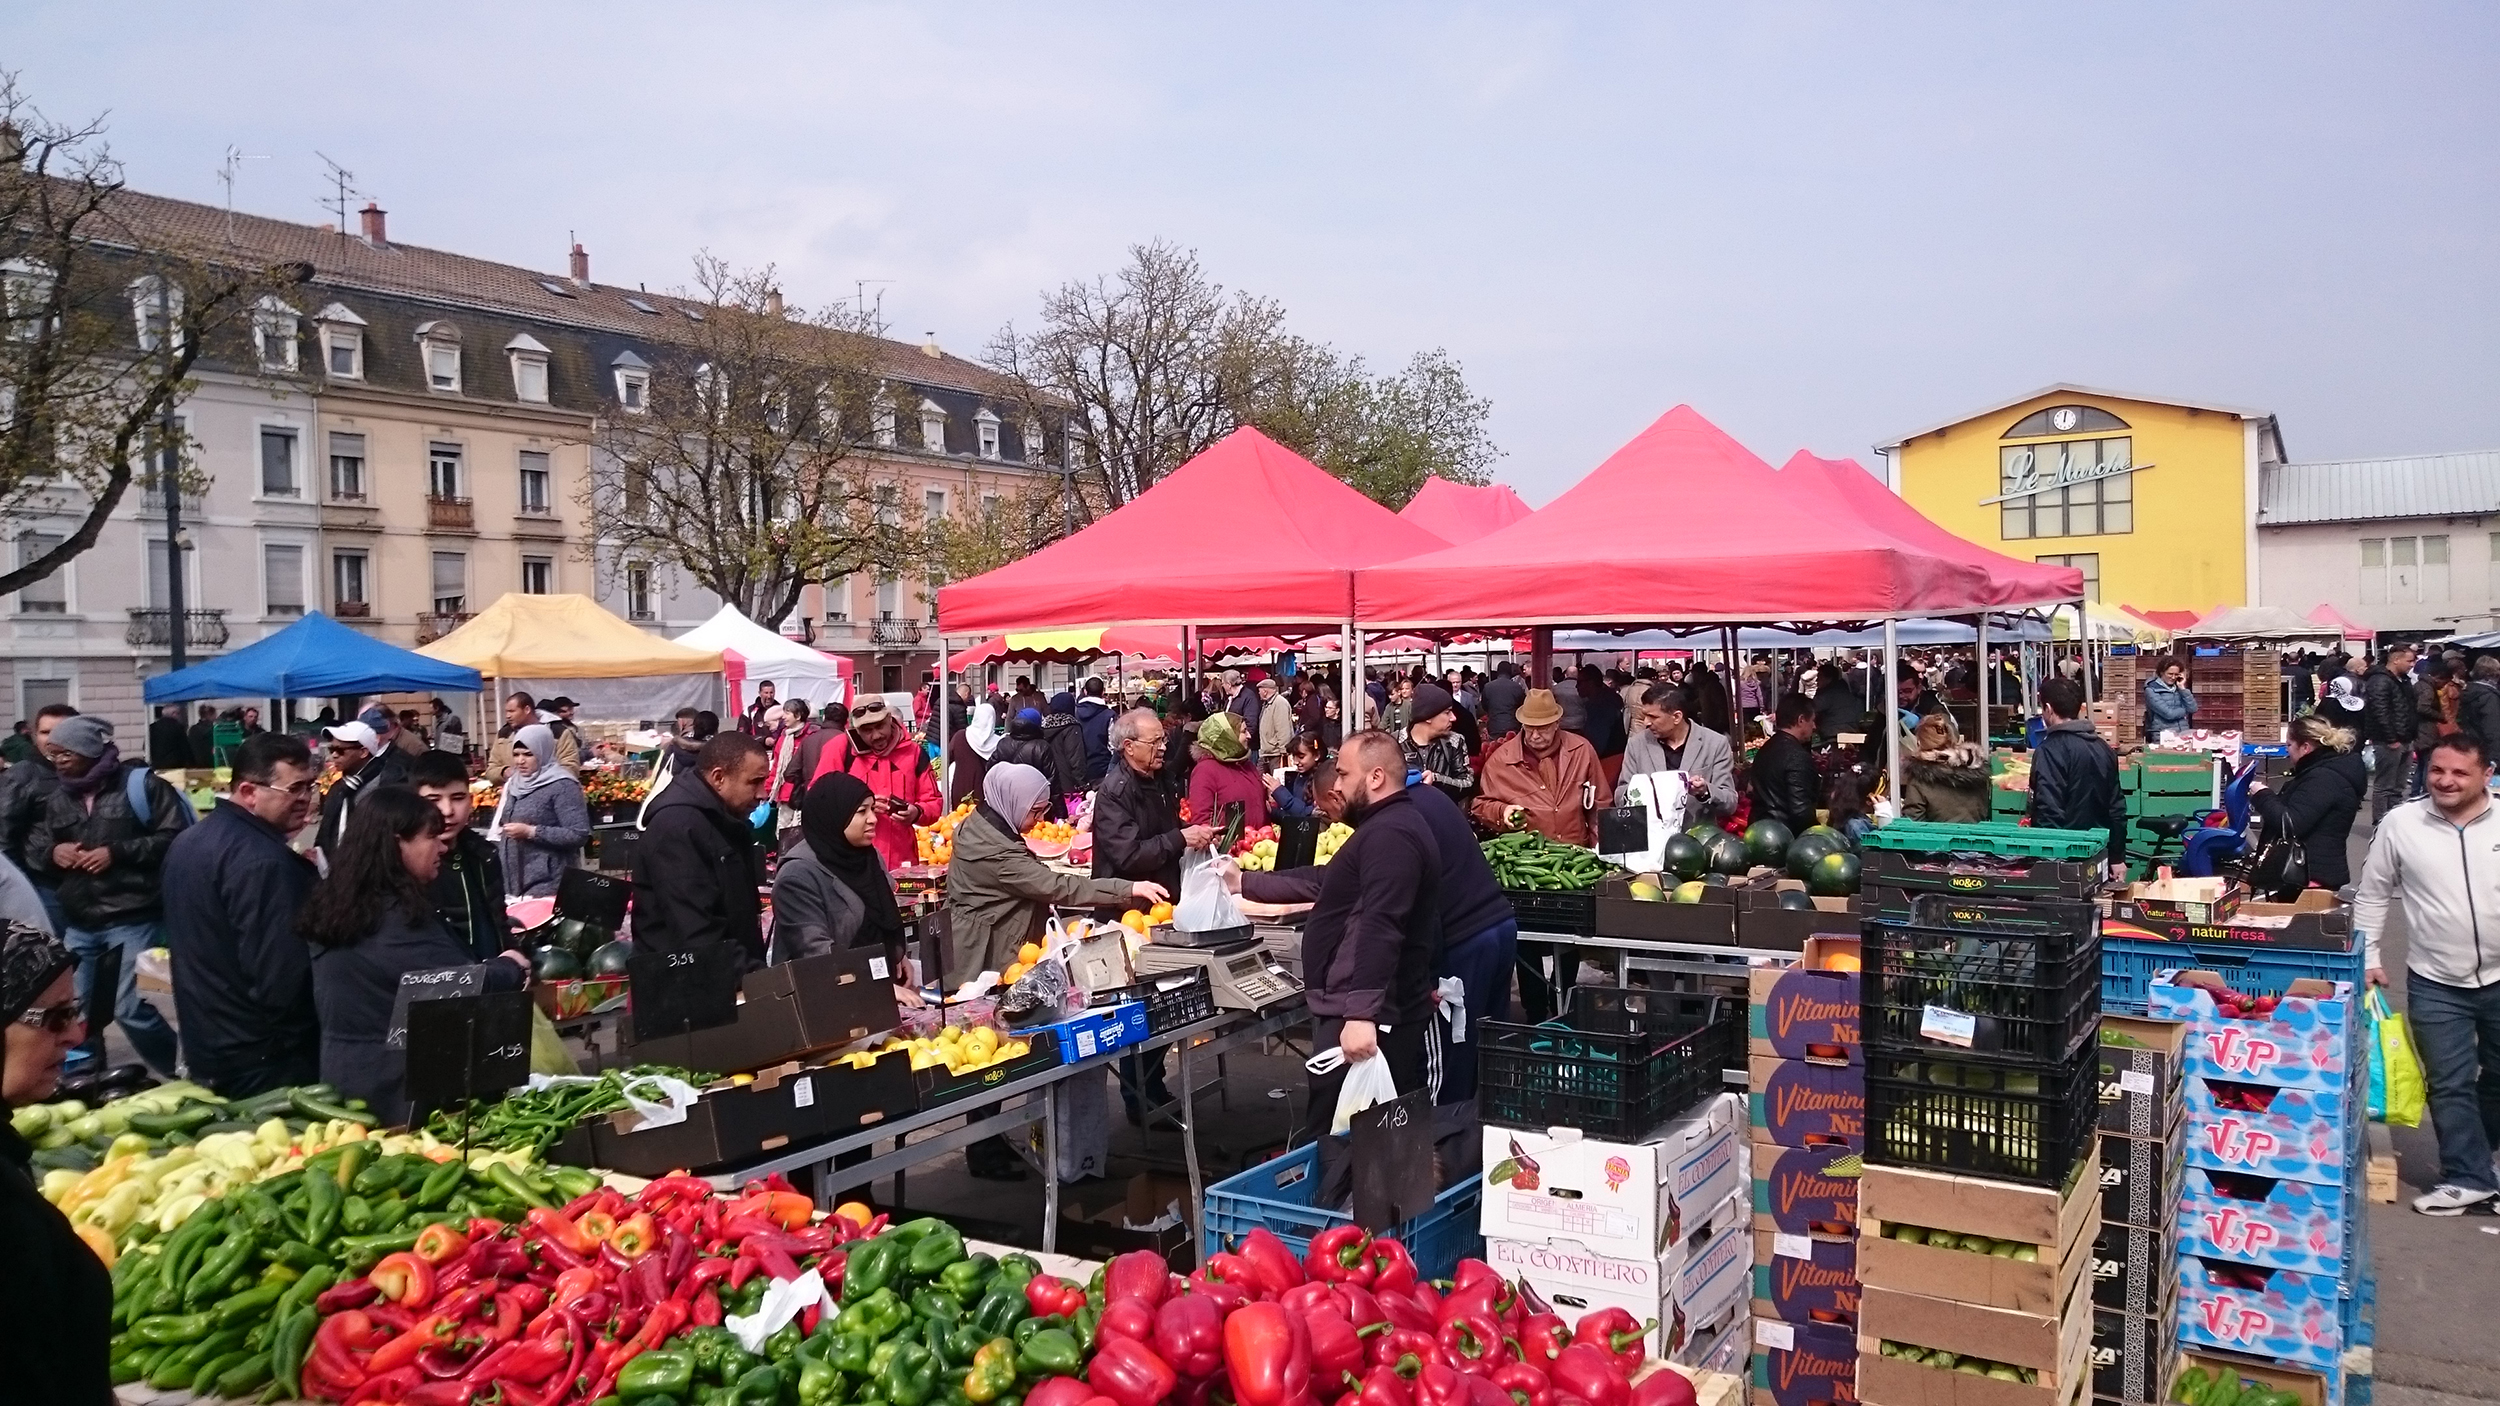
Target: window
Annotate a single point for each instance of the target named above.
(277, 463)
(342, 342)
(709, 388)
(985, 431)
(638, 592)
(633, 383)
(992, 508)
(2404, 570)
(637, 492)
(442, 472)
(2084, 488)
(273, 334)
(536, 478)
(439, 343)
(838, 598)
(347, 583)
(538, 576)
(2435, 568)
(282, 569)
(932, 427)
(2089, 563)
(347, 467)
(933, 504)
(35, 695)
(883, 421)
(529, 368)
(153, 303)
(25, 292)
(930, 599)
(160, 591)
(451, 583)
(889, 506)
(889, 596)
(49, 596)
(2064, 419)
(1032, 441)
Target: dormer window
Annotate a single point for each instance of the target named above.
(985, 430)
(439, 344)
(342, 342)
(1032, 440)
(273, 334)
(709, 388)
(633, 383)
(932, 427)
(529, 368)
(155, 303)
(25, 291)
(883, 426)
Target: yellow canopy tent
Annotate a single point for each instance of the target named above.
(570, 645)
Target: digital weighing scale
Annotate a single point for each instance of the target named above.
(1243, 975)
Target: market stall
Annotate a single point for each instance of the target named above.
(316, 657)
(751, 654)
(1461, 512)
(569, 645)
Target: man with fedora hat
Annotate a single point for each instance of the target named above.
(1541, 777)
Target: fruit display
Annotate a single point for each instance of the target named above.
(66, 1134)
(1256, 849)
(2199, 1386)
(607, 788)
(1524, 859)
(533, 1120)
(935, 841)
(1330, 841)
(1766, 843)
(2018, 1250)
(1809, 849)
(1050, 838)
(956, 1049)
(1956, 1362)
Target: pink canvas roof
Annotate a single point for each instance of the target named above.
(1460, 512)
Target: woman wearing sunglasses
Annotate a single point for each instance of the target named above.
(56, 1301)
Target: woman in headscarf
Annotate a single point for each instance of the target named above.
(968, 754)
(831, 892)
(998, 892)
(56, 1300)
(542, 822)
(1228, 774)
(1943, 778)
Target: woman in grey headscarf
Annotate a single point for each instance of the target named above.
(542, 822)
(56, 1300)
(997, 890)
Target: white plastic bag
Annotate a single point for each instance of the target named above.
(1367, 1081)
(1204, 905)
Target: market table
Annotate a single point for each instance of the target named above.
(1216, 1035)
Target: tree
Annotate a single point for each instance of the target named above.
(87, 368)
(1159, 361)
(746, 468)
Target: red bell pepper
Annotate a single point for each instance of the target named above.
(1223, 1293)
(634, 1236)
(1540, 1336)
(1585, 1372)
(1139, 1274)
(1341, 1254)
(1402, 1311)
(786, 1209)
(707, 1309)
(1313, 1297)
(1391, 1266)
(1428, 1294)
(1362, 1309)
(1439, 1384)
(1473, 1342)
(1270, 1262)
(1616, 1333)
(1129, 1373)
(1480, 1289)
(1200, 1391)
(1336, 1349)
(1664, 1387)
(1127, 1318)
(404, 1279)
(440, 1242)
(1049, 1294)
(1406, 1349)
(1058, 1391)
(1269, 1365)
(1382, 1386)
(1526, 1385)
(1189, 1334)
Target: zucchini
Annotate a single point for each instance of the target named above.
(318, 1109)
(189, 1118)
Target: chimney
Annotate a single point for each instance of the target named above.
(929, 348)
(581, 267)
(372, 216)
(772, 302)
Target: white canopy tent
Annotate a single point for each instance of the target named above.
(751, 654)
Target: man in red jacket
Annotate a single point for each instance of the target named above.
(880, 751)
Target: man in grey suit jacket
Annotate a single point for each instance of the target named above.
(1665, 738)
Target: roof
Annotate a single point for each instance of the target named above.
(1460, 512)
(2070, 388)
(1856, 490)
(2363, 490)
(563, 637)
(316, 657)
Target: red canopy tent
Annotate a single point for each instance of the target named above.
(2329, 616)
(1856, 490)
(1681, 525)
(1247, 533)
(1458, 512)
(1072, 646)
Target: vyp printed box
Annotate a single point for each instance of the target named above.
(2280, 1314)
(2270, 1221)
(2300, 1042)
(2268, 1131)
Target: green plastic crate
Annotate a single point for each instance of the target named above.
(1992, 837)
(2141, 803)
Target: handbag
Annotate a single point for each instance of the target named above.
(2280, 871)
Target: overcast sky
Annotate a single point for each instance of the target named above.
(1821, 225)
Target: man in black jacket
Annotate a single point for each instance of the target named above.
(169, 747)
(1785, 783)
(242, 978)
(25, 794)
(696, 868)
(468, 889)
(2388, 724)
(2478, 706)
(102, 839)
(203, 737)
(1137, 820)
(2074, 775)
(366, 764)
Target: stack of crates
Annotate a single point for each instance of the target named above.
(1806, 1065)
(2135, 1263)
(1995, 861)
(2158, 783)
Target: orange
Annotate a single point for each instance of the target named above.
(1160, 913)
(1029, 953)
(1841, 962)
(854, 1212)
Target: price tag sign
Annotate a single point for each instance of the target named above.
(2135, 1081)
(1946, 1026)
(1795, 1247)
(433, 984)
(462, 1048)
(877, 968)
(803, 1091)
(1391, 1152)
(681, 991)
(1774, 1335)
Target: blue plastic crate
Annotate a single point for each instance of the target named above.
(1277, 1194)
(2128, 964)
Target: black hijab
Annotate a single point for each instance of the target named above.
(832, 799)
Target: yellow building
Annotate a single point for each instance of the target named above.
(2154, 499)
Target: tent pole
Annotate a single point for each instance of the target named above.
(1357, 698)
(1987, 683)
(1891, 711)
(943, 699)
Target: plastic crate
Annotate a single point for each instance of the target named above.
(1986, 837)
(1189, 1000)
(1572, 911)
(1973, 874)
(2028, 974)
(1985, 1122)
(1277, 1194)
(1618, 1062)
(2128, 964)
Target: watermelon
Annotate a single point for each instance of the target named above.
(1809, 849)
(612, 959)
(1792, 899)
(1684, 857)
(1835, 836)
(1727, 853)
(1766, 842)
(554, 963)
(1835, 875)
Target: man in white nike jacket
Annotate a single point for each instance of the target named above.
(2441, 855)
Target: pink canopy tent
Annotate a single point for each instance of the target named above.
(1162, 646)
(1248, 533)
(1683, 525)
(1458, 513)
(1856, 491)
(2335, 619)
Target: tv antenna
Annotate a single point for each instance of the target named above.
(343, 190)
(871, 315)
(227, 170)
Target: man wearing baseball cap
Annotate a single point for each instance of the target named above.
(879, 750)
(364, 763)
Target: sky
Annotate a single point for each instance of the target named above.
(1821, 225)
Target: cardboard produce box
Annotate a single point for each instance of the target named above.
(2140, 1083)
(2305, 1042)
(2141, 1178)
(1806, 1190)
(1688, 1288)
(2134, 1356)
(2056, 1230)
(2045, 1342)
(1711, 921)
(2265, 1221)
(2312, 1388)
(2134, 1270)
(786, 1105)
(2201, 900)
(1627, 1200)
(1803, 1364)
(2271, 1313)
(1761, 921)
(785, 1012)
(2314, 922)
(1891, 1381)
(1794, 1103)
(1805, 1278)
(1803, 1012)
(2298, 1133)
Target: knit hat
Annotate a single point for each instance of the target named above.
(1221, 736)
(88, 734)
(1431, 701)
(1539, 709)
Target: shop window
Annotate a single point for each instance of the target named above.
(2077, 488)
(2089, 563)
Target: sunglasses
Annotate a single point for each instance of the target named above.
(55, 1020)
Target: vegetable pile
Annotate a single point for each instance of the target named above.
(2020, 1250)
(1524, 859)
(2198, 1386)
(1960, 1362)
(534, 1120)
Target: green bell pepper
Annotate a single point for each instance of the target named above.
(966, 1278)
(849, 1352)
(872, 1266)
(1087, 1325)
(910, 1378)
(820, 1385)
(1019, 1268)
(877, 1315)
(935, 1250)
(964, 1343)
(661, 1373)
(1001, 1306)
(1025, 1330)
(704, 1345)
(760, 1387)
(736, 1362)
(912, 1231)
(784, 1341)
(993, 1371)
(1052, 1352)
(938, 1306)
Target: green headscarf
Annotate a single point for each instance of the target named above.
(1221, 736)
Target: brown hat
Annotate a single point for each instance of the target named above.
(1539, 708)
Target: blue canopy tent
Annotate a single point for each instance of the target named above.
(316, 657)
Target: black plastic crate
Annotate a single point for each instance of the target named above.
(1571, 911)
(1972, 1118)
(1617, 1064)
(1187, 1000)
(1978, 875)
(2027, 975)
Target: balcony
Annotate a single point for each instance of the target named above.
(352, 610)
(434, 624)
(894, 634)
(154, 629)
(151, 503)
(450, 515)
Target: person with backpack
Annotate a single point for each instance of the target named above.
(102, 840)
(879, 750)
